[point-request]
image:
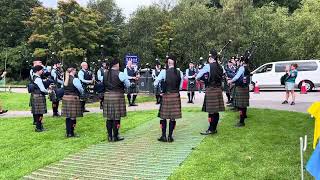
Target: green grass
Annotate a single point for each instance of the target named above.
(20, 101)
(23, 151)
(140, 99)
(267, 148)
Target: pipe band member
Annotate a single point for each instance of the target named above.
(157, 89)
(191, 74)
(213, 100)
(71, 105)
(230, 72)
(57, 76)
(133, 89)
(99, 86)
(2, 111)
(38, 98)
(170, 107)
(241, 96)
(114, 106)
(86, 79)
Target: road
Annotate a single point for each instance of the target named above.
(265, 100)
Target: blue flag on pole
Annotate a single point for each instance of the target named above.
(313, 165)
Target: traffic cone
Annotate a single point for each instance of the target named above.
(303, 88)
(256, 88)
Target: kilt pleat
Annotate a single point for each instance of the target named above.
(192, 85)
(114, 106)
(241, 97)
(213, 100)
(71, 106)
(38, 104)
(133, 90)
(170, 107)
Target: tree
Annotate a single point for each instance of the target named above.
(71, 32)
(12, 15)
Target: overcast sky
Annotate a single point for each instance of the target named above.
(127, 6)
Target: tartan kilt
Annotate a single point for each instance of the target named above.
(241, 97)
(114, 106)
(157, 89)
(170, 107)
(192, 85)
(71, 106)
(38, 104)
(133, 90)
(213, 100)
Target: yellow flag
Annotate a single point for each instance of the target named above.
(314, 110)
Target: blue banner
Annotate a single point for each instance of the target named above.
(135, 60)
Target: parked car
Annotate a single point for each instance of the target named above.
(268, 75)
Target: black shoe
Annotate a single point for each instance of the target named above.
(285, 102)
(86, 110)
(118, 138)
(134, 104)
(39, 130)
(56, 115)
(163, 139)
(69, 135)
(239, 124)
(3, 111)
(170, 139)
(208, 132)
(110, 139)
(293, 103)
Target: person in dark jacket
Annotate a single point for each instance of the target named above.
(241, 96)
(114, 107)
(71, 105)
(170, 107)
(38, 98)
(213, 100)
(191, 74)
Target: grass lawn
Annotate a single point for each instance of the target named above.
(20, 101)
(267, 148)
(23, 151)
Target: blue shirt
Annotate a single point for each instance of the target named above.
(77, 83)
(55, 78)
(205, 69)
(39, 83)
(187, 73)
(126, 72)
(162, 76)
(125, 79)
(100, 75)
(239, 74)
(81, 77)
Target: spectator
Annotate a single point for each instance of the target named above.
(1, 77)
(292, 74)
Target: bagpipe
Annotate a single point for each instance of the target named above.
(55, 93)
(220, 55)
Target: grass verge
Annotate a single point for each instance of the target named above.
(267, 148)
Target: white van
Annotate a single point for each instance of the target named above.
(268, 75)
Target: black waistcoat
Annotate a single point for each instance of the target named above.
(70, 89)
(172, 81)
(216, 73)
(112, 81)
